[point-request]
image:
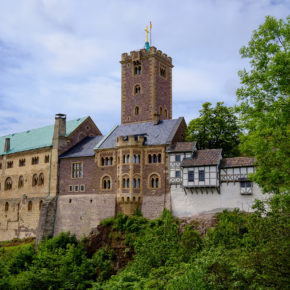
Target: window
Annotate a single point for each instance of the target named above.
(201, 175)
(137, 90)
(20, 181)
(40, 204)
(128, 159)
(165, 113)
(149, 158)
(29, 206)
(137, 67)
(106, 183)
(77, 170)
(159, 158)
(10, 164)
(34, 160)
(177, 173)
(177, 158)
(82, 188)
(76, 188)
(136, 111)
(34, 180)
(154, 181)
(136, 183)
(136, 158)
(21, 162)
(160, 111)
(162, 71)
(6, 206)
(245, 184)
(0, 165)
(70, 188)
(41, 179)
(154, 158)
(107, 161)
(46, 158)
(8, 183)
(126, 182)
(191, 175)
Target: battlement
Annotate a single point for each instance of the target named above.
(131, 140)
(143, 53)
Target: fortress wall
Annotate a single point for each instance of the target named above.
(153, 206)
(191, 204)
(82, 212)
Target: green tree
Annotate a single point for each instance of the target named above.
(215, 128)
(265, 104)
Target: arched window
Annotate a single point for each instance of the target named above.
(20, 181)
(124, 158)
(159, 158)
(138, 159)
(34, 180)
(137, 90)
(134, 158)
(160, 111)
(149, 158)
(134, 183)
(106, 183)
(154, 158)
(165, 113)
(103, 161)
(40, 204)
(29, 205)
(8, 183)
(107, 161)
(124, 183)
(128, 158)
(154, 181)
(137, 110)
(138, 183)
(111, 160)
(41, 179)
(137, 67)
(128, 182)
(6, 206)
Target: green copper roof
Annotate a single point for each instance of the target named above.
(36, 138)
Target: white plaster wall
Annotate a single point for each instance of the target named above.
(190, 204)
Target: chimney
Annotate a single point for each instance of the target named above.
(59, 130)
(7, 145)
(156, 119)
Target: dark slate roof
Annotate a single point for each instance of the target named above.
(203, 157)
(84, 148)
(182, 147)
(162, 133)
(238, 162)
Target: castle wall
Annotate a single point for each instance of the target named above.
(82, 212)
(198, 202)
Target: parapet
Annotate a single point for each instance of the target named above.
(143, 53)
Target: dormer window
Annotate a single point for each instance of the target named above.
(137, 67)
(137, 90)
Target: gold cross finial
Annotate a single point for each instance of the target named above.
(147, 32)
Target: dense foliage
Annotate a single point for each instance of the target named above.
(215, 128)
(265, 103)
(243, 251)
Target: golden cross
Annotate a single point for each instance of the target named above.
(147, 32)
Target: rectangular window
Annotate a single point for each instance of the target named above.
(76, 188)
(10, 164)
(34, 160)
(201, 175)
(177, 174)
(77, 170)
(70, 188)
(46, 159)
(82, 188)
(245, 184)
(177, 158)
(191, 175)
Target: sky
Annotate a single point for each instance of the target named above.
(63, 56)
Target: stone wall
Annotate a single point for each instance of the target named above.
(80, 213)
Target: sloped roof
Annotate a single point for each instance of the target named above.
(163, 133)
(83, 149)
(203, 157)
(238, 162)
(182, 147)
(35, 138)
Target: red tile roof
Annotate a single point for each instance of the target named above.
(238, 162)
(182, 147)
(203, 157)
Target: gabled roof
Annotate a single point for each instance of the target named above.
(36, 138)
(203, 157)
(238, 162)
(163, 133)
(83, 149)
(182, 147)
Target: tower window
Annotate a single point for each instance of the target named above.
(162, 71)
(137, 67)
(137, 110)
(137, 90)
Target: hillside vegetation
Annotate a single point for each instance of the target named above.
(242, 251)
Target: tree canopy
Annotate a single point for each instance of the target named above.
(215, 128)
(265, 104)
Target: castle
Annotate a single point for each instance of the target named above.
(69, 177)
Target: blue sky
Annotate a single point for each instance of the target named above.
(62, 56)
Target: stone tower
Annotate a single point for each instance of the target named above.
(146, 86)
